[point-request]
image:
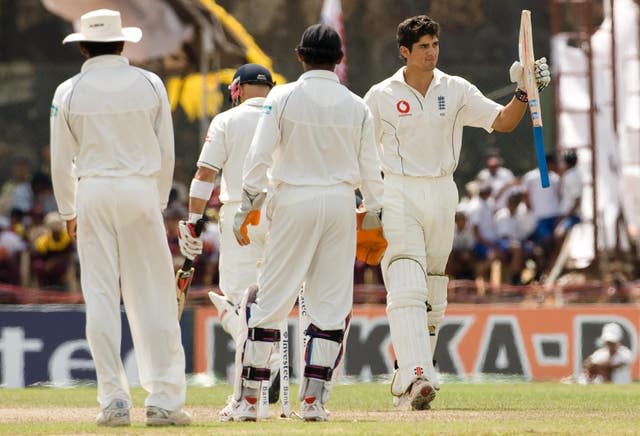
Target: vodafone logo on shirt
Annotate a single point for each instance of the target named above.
(403, 107)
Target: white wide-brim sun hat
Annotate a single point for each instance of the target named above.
(103, 25)
(611, 332)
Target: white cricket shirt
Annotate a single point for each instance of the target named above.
(481, 215)
(503, 177)
(623, 356)
(544, 202)
(419, 135)
(110, 120)
(227, 143)
(315, 132)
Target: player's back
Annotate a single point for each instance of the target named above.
(113, 112)
(321, 125)
(239, 125)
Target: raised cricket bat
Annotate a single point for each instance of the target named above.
(185, 275)
(527, 59)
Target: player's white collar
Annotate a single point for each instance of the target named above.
(322, 74)
(399, 76)
(103, 60)
(254, 101)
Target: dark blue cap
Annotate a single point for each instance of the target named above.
(253, 74)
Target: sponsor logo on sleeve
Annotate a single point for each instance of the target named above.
(54, 111)
(266, 109)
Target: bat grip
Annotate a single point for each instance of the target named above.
(199, 227)
(542, 161)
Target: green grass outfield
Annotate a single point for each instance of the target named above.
(359, 409)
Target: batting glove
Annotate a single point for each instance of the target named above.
(189, 240)
(543, 75)
(247, 214)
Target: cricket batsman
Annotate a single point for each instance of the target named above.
(225, 148)
(419, 114)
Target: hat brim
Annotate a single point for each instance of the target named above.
(130, 34)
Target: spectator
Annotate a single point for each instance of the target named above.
(545, 206)
(470, 195)
(610, 363)
(461, 264)
(499, 177)
(43, 199)
(512, 230)
(53, 254)
(17, 222)
(570, 196)
(481, 216)
(16, 192)
(11, 247)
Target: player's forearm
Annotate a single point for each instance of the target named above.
(372, 191)
(64, 181)
(200, 192)
(197, 206)
(255, 178)
(509, 117)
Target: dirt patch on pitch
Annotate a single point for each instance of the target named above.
(85, 414)
(205, 415)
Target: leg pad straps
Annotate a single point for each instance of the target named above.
(329, 335)
(264, 335)
(318, 372)
(258, 374)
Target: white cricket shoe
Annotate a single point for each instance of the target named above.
(314, 395)
(311, 409)
(225, 414)
(116, 414)
(421, 394)
(228, 314)
(157, 416)
(244, 410)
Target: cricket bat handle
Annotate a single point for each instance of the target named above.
(540, 156)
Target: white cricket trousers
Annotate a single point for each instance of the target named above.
(312, 240)
(122, 245)
(418, 220)
(238, 265)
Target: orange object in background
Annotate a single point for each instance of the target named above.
(531, 343)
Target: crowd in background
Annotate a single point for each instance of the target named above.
(502, 221)
(510, 226)
(515, 221)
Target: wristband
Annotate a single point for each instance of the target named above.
(521, 95)
(201, 189)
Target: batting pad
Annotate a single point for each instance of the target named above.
(256, 355)
(406, 284)
(437, 300)
(320, 353)
(407, 314)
